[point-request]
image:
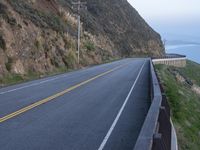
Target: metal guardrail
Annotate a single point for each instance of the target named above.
(156, 131)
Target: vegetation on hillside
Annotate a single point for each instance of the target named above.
(40, 36)
(192, 71)
(39, 18)
(184, 103)
(11, 79)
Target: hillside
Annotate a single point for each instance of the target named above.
(182, 87)
(39, 36)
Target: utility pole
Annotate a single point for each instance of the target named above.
(77, 7)
(164, 42)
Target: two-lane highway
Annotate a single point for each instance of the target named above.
(98, 108)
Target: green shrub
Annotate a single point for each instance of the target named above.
(39, 18)
(89, 46)
(69, 43)
(19, 26)
(70, 59)
(4, 14)
(2, 43)
(11, 79)
(3, 9)
(55, 62)
(9, 64)
(38, 44)
(12, 21)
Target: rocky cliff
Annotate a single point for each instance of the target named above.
(39, 36)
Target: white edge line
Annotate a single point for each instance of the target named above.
(120, 112)
(33, 84)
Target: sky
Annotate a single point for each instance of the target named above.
(173, 19)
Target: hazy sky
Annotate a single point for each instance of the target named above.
(171, 17)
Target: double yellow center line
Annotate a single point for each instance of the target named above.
(43, 101)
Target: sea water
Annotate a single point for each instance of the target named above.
(192, 51)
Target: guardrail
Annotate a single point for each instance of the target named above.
(156, 132)
(171, 60)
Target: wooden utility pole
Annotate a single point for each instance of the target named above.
(77, 7)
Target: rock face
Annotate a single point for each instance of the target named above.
(122, 24)
(40, 35)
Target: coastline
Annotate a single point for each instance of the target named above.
(192, 51)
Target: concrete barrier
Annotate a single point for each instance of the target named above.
(171, 60)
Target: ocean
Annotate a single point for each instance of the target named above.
(192, 51)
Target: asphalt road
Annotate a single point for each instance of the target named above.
(98, 108)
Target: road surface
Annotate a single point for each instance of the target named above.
(98, 108)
